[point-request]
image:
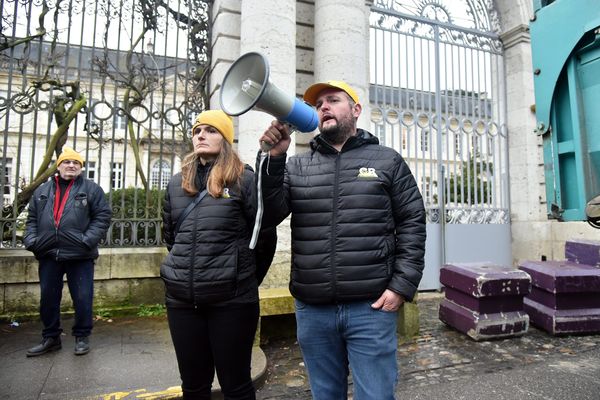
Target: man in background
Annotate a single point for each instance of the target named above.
(68, 216)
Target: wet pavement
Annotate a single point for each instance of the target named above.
(132, 358)
(445, 364)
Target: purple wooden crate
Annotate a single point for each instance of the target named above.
(562, 322)
(562, 301)
(485, 279)
(563, 276)
(490, 304)
(583, 252)
(483, 326)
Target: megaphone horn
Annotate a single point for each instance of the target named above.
(247, 86)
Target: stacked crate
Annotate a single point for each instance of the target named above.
(583, 252)
(565, 296)
(484, 300)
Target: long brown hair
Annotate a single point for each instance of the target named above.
(227, 170)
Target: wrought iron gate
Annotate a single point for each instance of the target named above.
(119, 81)
(437, 96)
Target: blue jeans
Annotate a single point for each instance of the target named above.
(339, 337)
(80, 278)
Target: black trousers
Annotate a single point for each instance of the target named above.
(80, 278)
(211, 338)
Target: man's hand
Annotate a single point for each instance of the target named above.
(278, 137)
(388, 301)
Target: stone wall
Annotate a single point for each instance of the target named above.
(123, 279)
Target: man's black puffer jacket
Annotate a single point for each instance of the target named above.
(358, 220)
(83, 224)
(209, 260)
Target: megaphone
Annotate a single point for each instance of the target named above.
(247, 86)
(592, 212)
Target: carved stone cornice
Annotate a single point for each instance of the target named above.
(516, 35)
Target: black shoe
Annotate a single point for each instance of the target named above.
(47, 344)
(82, 345)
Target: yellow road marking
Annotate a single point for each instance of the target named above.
(170, 393)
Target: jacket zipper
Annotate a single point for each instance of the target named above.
(56, 238)
(191, 278)
(334, 213)
(53, 190)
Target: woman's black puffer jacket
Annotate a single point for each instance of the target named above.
(358, 220)
(209, 260)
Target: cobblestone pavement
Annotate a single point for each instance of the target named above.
(439, 355)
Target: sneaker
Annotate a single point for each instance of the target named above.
(48, 344)
(82, 345)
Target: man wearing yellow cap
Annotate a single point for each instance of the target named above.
(67, 217)
(358, 242)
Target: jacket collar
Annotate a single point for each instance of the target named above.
(361, 138)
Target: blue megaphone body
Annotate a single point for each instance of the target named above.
(246, 86)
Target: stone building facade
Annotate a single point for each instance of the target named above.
(308, 41)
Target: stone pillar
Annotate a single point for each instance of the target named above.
(225, 43)
(342, 47)
(528, 219)
(529, 226)
(271, 30)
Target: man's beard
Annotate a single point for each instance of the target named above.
(338, 134)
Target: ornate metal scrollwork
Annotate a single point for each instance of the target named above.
(469, 215)
(448, 17)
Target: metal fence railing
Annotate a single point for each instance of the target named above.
(438, 96)
(118, 80)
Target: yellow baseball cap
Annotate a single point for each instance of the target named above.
(217, 119)
(312, 93)
(69, 154)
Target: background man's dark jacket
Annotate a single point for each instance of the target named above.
(84, 222)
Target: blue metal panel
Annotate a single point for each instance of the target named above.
(566, 62)
(555, 33)
(589, 81)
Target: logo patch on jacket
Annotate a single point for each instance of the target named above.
(367, 173)
(225, 194)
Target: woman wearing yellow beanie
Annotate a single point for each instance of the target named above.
(211, 275)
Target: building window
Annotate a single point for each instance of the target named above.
(426, 189)
(191, 118)
(161, 173)
(5, 175)
(380, 133)
(92, 121)
(424, 140)
(119, 119)
(90, 170)
(475, 143)
(457, 145)
(116, 177)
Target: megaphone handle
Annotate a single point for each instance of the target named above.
(265, 147)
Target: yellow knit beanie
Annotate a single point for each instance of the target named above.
(69, 154)
(217, 119)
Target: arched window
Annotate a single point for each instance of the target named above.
(160, 175)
